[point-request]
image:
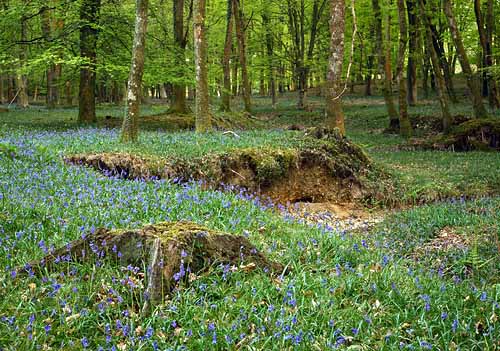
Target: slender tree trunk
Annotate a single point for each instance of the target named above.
(179, 89)
(384, 62)
(404, 121)
(472, 82)
(22, 78)
(425, 69)
(447, 118)
(89, 17)
(369, 76)
(413, 53)
(68, 93)
(234, 77)
(226, 59)
(334, 112)
(130, 122)
(2, 89)
(203, 120)
(240, 35)
(270, 58)
(486, 38)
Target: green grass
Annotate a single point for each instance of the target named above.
(345, 290)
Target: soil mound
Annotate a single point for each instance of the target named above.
(325, 167)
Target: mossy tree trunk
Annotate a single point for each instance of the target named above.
(472, 81)
(203, 119)
(134, 93)
(89, 18)
(240, 35)
(334, 112)
(384, 63)
(226, 59)
(404, 121)
(440, 80)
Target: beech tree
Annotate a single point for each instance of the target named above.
(202, 114)
(130, 122)
(89, 17)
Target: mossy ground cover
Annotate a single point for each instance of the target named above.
(363, 291)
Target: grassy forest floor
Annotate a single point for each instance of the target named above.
(425, 275)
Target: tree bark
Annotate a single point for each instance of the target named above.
(203, 120)
(334, 112)
(240, 35)
(2, 89)
(270, 58)
(180, 40)
(404, 121)
(22, 78)
(384, 62)
(486, 38)
(226, 59)
(89, 18)
(413, 53)
(447, 119)
(130, 122)
(472, 82)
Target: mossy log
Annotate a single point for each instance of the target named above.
(171, 251)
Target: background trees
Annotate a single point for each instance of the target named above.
(60, 52)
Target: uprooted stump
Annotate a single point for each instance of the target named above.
(471, 135)
(171, 251)
(319, 166)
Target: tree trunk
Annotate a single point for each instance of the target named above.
(413, 54)
(2, 89)
(270, 58)
(180, 41)
(404, 121)
(441, 85)
(226, 59)
(130, 122)
(240, 35)
(89, 18)
(334, 112)
(384, 62)
(69, 94)
(472, 82)
(22, 79)
(203, 120)
(486, 36)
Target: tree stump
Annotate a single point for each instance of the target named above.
(171, 251)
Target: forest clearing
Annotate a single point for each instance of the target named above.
(254, 175)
